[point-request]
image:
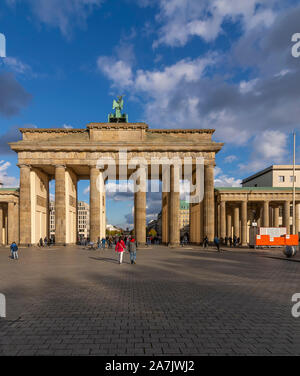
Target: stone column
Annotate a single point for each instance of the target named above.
(244, 223)
(236, 221)
(1, 225)
(60, 205)
(297, 217)
(286, 216)
(259, 219)
(25, 205)
(266, 214)
(223, 219)
(276, 216)
(174, 231)
(209, 214)
(94, 205)
(228, 224)
(11, 222)
(140, 206)
(47, 209)
(164, 218)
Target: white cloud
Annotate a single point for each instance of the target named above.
(64, 14)
(66, 126)
(182, 19)
(6, 180)
(269, 147)
(223, 180)
(15, 65)
(230, 158)
(118, 71)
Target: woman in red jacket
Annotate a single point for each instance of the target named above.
(120, 248)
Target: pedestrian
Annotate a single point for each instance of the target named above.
(234, 240)
(230, 241)
(148, 241)
(45, 241)
(103, 241)
(132, 250)
(98, 243)
(226, 241)
(14, 251)
(41, 244)
(205, 242)
(120, 248)
(217, 243)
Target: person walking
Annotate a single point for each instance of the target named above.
(234, 240)
(132, 250)
(14, 251)
(217, 243)
(120, 248)
(103, 241)
(205, 242)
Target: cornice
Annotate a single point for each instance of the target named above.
(185, 130)
(114, 126)
(52, 130)
(110, 147)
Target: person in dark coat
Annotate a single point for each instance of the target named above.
(132, 250)
(217, 243)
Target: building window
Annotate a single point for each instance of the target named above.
(291, 179)
(281, 179)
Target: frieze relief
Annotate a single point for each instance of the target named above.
(69, 157)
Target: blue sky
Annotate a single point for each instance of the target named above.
(218, 64)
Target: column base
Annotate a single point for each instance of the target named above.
(173, 245)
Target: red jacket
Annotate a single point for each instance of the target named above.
(120, 246)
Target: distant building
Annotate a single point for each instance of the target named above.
(183, 219)
(279, 176)
(184, 214)
(83, 221)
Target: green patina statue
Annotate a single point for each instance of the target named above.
(118, 117)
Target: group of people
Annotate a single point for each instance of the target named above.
(46, 242)
(228, 241)
(123, 244)
(108, 242)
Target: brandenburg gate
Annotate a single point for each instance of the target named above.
(68, 155)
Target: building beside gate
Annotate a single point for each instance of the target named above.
(9, 215)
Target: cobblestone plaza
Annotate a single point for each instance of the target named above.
(184, 301)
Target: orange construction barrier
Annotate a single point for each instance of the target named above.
(266, 240)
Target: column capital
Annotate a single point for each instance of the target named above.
(24, 165)
(209, 164)
(60, 165)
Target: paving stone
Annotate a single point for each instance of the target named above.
(69, 301)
